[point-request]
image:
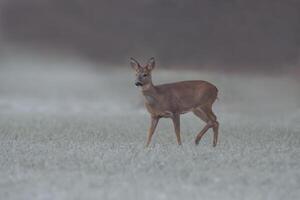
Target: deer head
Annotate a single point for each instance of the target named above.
(143, 73)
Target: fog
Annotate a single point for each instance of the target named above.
(73, 124)
(71, 131)
(235, 35)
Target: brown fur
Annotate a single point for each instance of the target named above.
(171, 100)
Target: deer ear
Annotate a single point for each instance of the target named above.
(134, 64)
(151, 64)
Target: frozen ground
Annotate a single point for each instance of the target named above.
(78, 133)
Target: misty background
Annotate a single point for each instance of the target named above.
(73, 124)
(233, 35)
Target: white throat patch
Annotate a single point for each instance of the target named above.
(150, 99)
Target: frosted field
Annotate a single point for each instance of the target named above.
(78, 133)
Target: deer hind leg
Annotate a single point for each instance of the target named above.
(206, 114)
(214, 122)
(202, 115)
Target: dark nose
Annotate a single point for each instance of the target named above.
(138, 84)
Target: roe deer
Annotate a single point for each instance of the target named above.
(171, 100)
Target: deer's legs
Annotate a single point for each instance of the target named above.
(214, 122)
(202, 115)
(176, 122)
(202, 132)
(154, 121)
(206, 114)
(215, 126)
(216, 133)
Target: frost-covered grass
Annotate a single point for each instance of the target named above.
(79, 134)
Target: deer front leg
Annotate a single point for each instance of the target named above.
(176, 122)
(154, 121)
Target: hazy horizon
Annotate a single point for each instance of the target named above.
(246, 35)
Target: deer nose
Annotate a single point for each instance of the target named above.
(138, 83)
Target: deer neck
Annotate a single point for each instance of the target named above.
(148, 89)
(150, 93)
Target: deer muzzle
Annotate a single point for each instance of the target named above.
(138, 83)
